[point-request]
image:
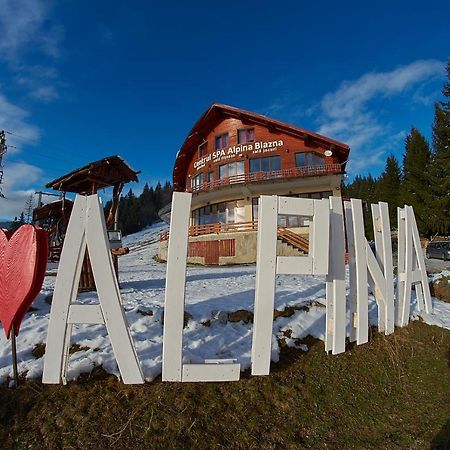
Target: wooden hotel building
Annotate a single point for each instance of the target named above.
(230, 158)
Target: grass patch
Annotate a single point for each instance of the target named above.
(393, 392)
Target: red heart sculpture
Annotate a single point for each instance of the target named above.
(23, 260)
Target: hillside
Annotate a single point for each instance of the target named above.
(310, 398)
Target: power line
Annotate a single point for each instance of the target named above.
(35, 142)
(32, 152)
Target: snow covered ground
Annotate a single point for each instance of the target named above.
(211, 293)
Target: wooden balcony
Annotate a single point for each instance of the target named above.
(309, 171)
(217, 228)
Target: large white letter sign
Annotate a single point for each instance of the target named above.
(335, 282)
(357, 253)
(87, 229)
(364, 269)
(268, 264)
(173, 368)
(383, 253)
(411, 268)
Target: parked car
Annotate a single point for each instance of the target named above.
(438, 249)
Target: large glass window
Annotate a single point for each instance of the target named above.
(268, 164)
(246, 135)
(231, 169)
(222, 141)
(197, 181)
(225, 212)
(308, 159)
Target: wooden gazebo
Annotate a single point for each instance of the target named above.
(113, 172)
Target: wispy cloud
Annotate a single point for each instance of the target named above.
(18, 176)
(14, 118)
(26, 29)
(346, 114)
(40, 81)
(17, 187)
(23, 22)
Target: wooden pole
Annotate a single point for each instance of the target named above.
(14, 356)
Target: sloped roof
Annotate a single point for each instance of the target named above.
(53, 209)
(100, 174)
(216, 113)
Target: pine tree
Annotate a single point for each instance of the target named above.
(146, 207)
(129, 214)
(388, 187)
(365, 188)
(166, 194)
(136, 213)
(417, 181)
(158, 198)
(440, 172)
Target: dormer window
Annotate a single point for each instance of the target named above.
(222, 141)
(203, 149)
(246, 135)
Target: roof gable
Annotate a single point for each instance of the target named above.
(217, 112)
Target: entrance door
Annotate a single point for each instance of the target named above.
(212, 252)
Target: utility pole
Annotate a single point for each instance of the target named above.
(3, 148)
(51, 194)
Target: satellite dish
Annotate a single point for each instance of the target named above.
(328, 153)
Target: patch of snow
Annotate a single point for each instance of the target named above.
(211, 292)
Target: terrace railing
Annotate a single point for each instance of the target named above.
(309, 171)
(217, 228)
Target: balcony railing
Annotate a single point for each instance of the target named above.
(283, 233)
(309, 171)
(217, 228)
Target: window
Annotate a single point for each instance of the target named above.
(269, 164)
(197, 181)
(246, 135)
(294, 221)
(203, 149)
(315, 195)
(222, 141)
(231, 169)
(308, 159)
(225, 212)
(291, 221)
(255, 209)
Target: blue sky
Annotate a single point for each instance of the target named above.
(80, 80)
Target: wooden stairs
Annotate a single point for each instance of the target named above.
(293, 239)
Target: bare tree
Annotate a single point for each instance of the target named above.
(29, 204)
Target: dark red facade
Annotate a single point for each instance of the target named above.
(199, 154)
